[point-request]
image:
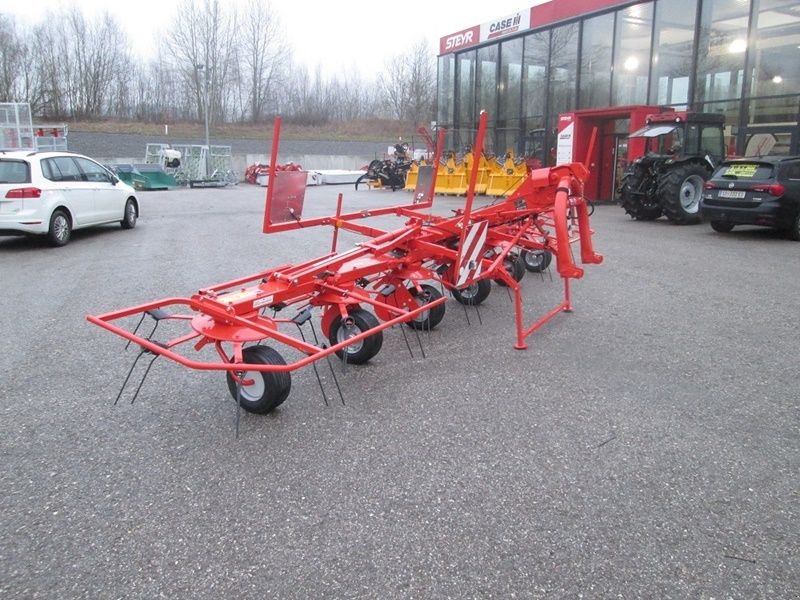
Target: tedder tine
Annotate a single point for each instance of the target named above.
(302, 335)
(130, 372)
(335, 379)
(405, 338)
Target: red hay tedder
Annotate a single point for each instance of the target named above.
(400, 275)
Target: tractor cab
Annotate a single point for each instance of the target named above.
(684, 135)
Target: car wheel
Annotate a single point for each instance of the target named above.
(60, 228)
(721, 226)
(131, 214)
(794, 230)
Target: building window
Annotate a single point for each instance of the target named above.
(465, 98)
(563, 80)
(446, 89)
(775, 55)
(487, 84)
(632, 54)
(536, 57)
(510, 94)
(721, 50)
(596, 49)
(672, 52)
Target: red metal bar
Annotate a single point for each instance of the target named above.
(273, 161)
(314, 354)
(336, 224)
(473, 177)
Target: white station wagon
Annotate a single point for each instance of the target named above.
(53, 193)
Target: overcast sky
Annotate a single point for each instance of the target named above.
(339, 36)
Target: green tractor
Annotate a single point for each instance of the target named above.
(681, 151)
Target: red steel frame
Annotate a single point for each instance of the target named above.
(546, 212)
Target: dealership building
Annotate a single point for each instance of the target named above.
(740, 58)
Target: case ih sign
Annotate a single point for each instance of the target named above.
(540, 14)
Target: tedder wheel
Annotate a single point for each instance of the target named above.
(428, 319)
(357, 321)
(129, 218)
(680, 191)
(364, 181)
(515, 267)
(269, 389)
(721, 226)
(536, 261)
(60, 228)
(473, 294)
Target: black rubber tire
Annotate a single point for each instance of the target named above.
(363, 181)
(474, 294)
(270, 388)
(431, 318)
(536, 261)
(60, 230)
(794, 231)
(721, 226)
(130, 215)
(675, 188)
(636, 203)
(360, 352)
(515, 267)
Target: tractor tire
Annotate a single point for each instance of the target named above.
(680, 191)
(269, 388)
(637, 204)
(359, 352)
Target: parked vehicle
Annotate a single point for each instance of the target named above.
(389, 173)
(755, 191)
(54, 193)
(682, 150)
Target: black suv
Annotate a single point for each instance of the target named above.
(754, 191)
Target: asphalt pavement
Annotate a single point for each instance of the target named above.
(645, 445)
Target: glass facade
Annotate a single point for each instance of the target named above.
(740, 58)
(596, 52)
(632, 44)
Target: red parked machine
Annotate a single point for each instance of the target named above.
(394, 277)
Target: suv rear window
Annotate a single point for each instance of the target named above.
(14, 171)
(744, 170)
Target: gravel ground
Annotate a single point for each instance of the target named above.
(113, 145)
(644, 446)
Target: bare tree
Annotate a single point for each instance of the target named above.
(202, 51)
(265, 57)
(11, 57)
(408, 83)
(99, 56)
